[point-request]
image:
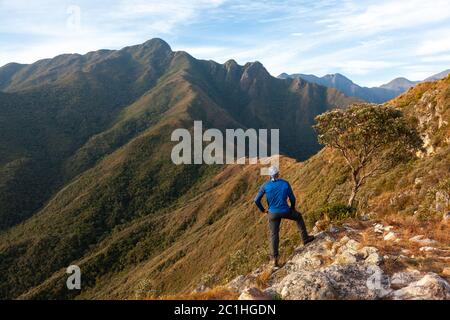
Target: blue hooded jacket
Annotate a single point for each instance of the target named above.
(277, 192)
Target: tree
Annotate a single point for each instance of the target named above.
(371, 138)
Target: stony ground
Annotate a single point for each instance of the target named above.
(363, 260)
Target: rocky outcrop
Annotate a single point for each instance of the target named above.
(337, 281)
(254, 294)
(446, 217)
(430, 287)
(420, 239)
(330, 268)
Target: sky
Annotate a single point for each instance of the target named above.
(371, 42)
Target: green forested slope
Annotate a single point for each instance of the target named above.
(87, 157)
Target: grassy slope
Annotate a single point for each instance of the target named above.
(59, 117)
(217, 232)
(120, 188)
(211, 230)
(237, 242)
(52, 108)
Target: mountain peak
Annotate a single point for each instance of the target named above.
(399, 84)
(231, 64)
(256, 68)
(253, 71)
(338, 77)
(157, 43)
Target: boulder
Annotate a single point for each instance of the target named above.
(333, 229)
(446, 272)
(306, 285)
(374, 259)
(446, 217)
(391, 236)
(430, 287)
(306, 261)
(346, 257)
(378, 228)
(350, 281)
(238, 284)
(420, 239)
(344, 240)
(311, 257)
(367, 251)
(404, 278)
(428, 249)
(353, 245)
(254, 293)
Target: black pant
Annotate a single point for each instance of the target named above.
(274, 223)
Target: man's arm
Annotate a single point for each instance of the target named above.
(258, 198)
(291, 197)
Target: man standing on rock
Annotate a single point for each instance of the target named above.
(277, 192)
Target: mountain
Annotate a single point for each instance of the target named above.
(399, 84)
(438, 76)
(60, 116)
(85, 170)
(379, 94)
(347, 87)
(86, 151)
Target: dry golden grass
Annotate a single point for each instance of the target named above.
(436, 230)
(262, 280)
(406, 254)
(217, 293)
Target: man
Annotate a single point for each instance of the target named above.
(277, 192)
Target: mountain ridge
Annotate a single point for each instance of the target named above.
(379, 94)
(105, 120)
(136, 223)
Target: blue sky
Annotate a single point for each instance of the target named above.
(371, 42)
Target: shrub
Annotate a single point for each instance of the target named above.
(333, 212)
(238, 264)
(338, 212)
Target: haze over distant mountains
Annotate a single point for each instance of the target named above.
(379, 94)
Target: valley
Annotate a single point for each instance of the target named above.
(86, 174)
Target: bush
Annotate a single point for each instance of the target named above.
(333, 213)
(338, 212)
(238, 264)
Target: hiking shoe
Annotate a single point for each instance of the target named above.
(308, 240)
(274, 263)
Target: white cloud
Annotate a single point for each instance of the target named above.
(437, 58)
(163, 16)
(390, 15)
(368, 40)
(437, 41)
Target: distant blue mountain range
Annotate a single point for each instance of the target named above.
(379, 94)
